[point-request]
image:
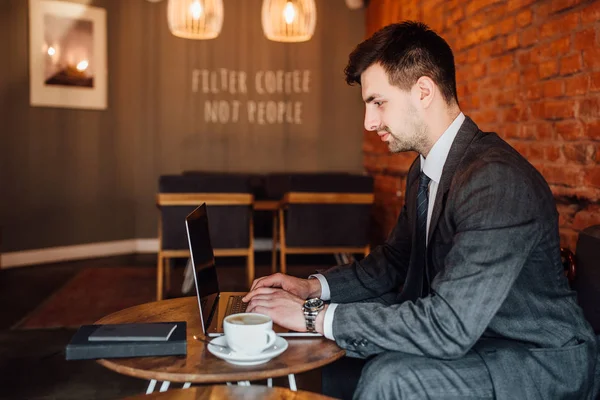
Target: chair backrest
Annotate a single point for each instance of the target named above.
(229, 207)
(278, 184)
(262, 221)
(587, 276)
(328, 210)
(256, 181)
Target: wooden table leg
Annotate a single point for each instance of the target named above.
(274, 250)
(282, 248)
(160, 273)
(250, 268)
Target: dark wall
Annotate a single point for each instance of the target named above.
(81, 176)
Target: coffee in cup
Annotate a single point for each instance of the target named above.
(249, 333)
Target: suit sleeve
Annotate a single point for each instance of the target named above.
(382, 271)
(495, 212)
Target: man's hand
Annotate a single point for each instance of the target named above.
(302, 288)
(283, 307)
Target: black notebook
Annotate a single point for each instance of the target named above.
(133, 332)
(81, 348)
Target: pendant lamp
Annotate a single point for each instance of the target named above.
(289, 21)
(195, 19)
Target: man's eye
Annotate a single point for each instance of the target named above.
(378, 103)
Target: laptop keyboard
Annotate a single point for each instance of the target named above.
(235, 305)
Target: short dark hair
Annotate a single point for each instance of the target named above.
(407, 51)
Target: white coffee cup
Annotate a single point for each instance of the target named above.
(249, 333)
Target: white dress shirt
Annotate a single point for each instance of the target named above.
(433, 166)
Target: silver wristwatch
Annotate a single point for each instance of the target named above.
(311, 309)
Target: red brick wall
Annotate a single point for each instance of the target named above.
(528, 70)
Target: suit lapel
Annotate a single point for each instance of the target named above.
(463, 139)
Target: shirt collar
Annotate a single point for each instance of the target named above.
(434, 163)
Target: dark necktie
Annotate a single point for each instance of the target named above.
(422, 206)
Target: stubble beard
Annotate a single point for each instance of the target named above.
(417, 141)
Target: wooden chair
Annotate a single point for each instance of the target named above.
(230, 215)
(325, 215)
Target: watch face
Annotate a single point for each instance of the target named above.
(314, 304)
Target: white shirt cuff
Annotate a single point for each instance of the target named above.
(325, 293)
(328, 321)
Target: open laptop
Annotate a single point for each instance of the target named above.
(215, 305)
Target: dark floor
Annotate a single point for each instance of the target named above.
(32, 362)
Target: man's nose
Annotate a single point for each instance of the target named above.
(371, 121)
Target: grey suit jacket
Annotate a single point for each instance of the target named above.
(497, 280)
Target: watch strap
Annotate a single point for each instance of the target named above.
(311, 318)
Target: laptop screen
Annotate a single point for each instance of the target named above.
(203, 261)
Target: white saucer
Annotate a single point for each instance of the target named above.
(222, 351)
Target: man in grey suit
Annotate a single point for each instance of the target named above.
(467, 297)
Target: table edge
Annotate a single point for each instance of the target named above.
(242, 375)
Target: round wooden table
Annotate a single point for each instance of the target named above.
(222, 392)
(199, 365)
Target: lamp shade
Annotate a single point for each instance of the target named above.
(289, 20)
(195, 19)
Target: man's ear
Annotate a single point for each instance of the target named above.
(426, 90)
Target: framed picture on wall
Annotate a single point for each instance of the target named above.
(67, 55)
